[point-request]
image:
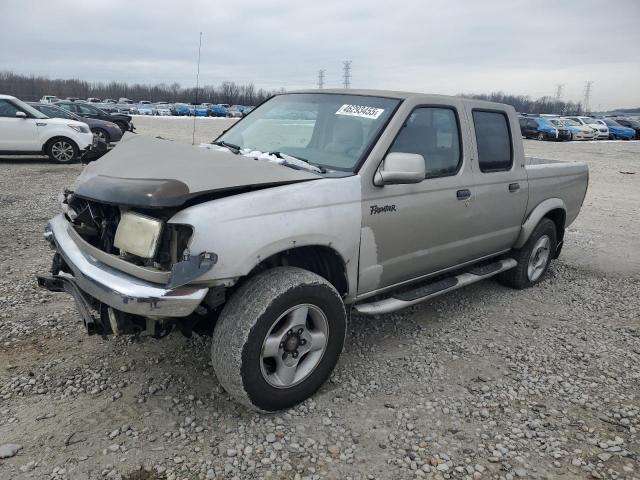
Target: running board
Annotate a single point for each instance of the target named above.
(417, 295)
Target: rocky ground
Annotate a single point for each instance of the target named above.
(485, 383)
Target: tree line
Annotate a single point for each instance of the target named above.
(525, 104)
(32, 87)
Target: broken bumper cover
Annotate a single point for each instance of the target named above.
(113, 287)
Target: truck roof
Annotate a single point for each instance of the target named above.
(395, 94)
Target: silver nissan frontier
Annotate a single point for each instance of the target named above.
(315, 204)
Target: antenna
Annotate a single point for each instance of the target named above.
(559, 88)
(193, 136)
(320, 79)
(346, 68)
(587, 95)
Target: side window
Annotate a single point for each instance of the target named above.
(494, 141)
(84, 109)
(67, 107)
(433, 133)
(8, 109)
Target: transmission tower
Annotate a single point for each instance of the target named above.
(346, 68)
(320, 78)
(559, 88)
(587, 95)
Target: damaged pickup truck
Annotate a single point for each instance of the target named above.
(317, 203)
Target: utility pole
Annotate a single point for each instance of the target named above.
(346, 68)
(587, 95)
(321, 79)
(559, 88)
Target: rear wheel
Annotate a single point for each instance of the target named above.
(533, 258)
(278, 338)
(62, 150)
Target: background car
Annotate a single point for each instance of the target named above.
(26, 131)
(163, 109)
(247, 110)
(630, 123)
(108, 132)
(88, 110)
(49, 99)
(578, 131)
(199, 110)
(234, 111)
(217, 111)
(94, 100)
(541, 128)
(181, 109)
(617, 131)
(145, 109)
(601, 130)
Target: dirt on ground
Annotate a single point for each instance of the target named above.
(485, 383)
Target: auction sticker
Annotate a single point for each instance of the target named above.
(360, 111)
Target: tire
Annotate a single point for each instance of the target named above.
(522, 276)
(540, 136)
(102, 135)
(62, 150)
(259, 310)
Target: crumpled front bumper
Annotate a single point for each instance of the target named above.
(91, 278)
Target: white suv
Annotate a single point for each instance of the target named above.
(26, 131)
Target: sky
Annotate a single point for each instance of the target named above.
(431, 46)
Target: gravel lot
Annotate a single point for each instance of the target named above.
(485, 383)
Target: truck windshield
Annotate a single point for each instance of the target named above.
(329, 130)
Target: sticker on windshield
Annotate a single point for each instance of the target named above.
(360, 111)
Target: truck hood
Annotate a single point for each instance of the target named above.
(148, 172)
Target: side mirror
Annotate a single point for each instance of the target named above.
(401, 168)
(21, 115)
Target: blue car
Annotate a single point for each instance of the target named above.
(541, 128)
(617, 131)
(182, 109)
(217, 111)
(199, 110)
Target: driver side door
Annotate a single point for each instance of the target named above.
(17, 134)
(413, 230)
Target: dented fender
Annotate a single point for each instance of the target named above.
(245, 229)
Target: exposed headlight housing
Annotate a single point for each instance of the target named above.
(138, 235)
(79, 128)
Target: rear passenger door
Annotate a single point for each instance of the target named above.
(500, 180)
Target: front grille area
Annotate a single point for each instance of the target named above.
(97, 222)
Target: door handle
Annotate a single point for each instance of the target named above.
(514, 187)
(463, 194)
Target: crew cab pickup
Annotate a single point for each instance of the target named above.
(316, 204)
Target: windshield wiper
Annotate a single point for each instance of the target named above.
(279, 155)
(234, 148)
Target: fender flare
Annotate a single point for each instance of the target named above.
(535, 216)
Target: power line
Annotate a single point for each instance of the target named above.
(587, 95)
(346, 75)
(559, 88)
(320, 78)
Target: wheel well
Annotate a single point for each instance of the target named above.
(45, 147)
(557, 216)
(318, 259)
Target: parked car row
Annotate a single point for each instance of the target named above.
(557, 128)
(145, 107)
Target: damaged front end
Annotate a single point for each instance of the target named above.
(129, 271)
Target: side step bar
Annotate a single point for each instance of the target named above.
(426, 292)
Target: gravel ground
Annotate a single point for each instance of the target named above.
(484, 383)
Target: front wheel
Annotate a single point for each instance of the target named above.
(278, 338)
(62, 150)
(533, 258)
(101, 134)
(540, 136)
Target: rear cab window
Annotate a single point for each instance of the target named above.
(493, 139)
